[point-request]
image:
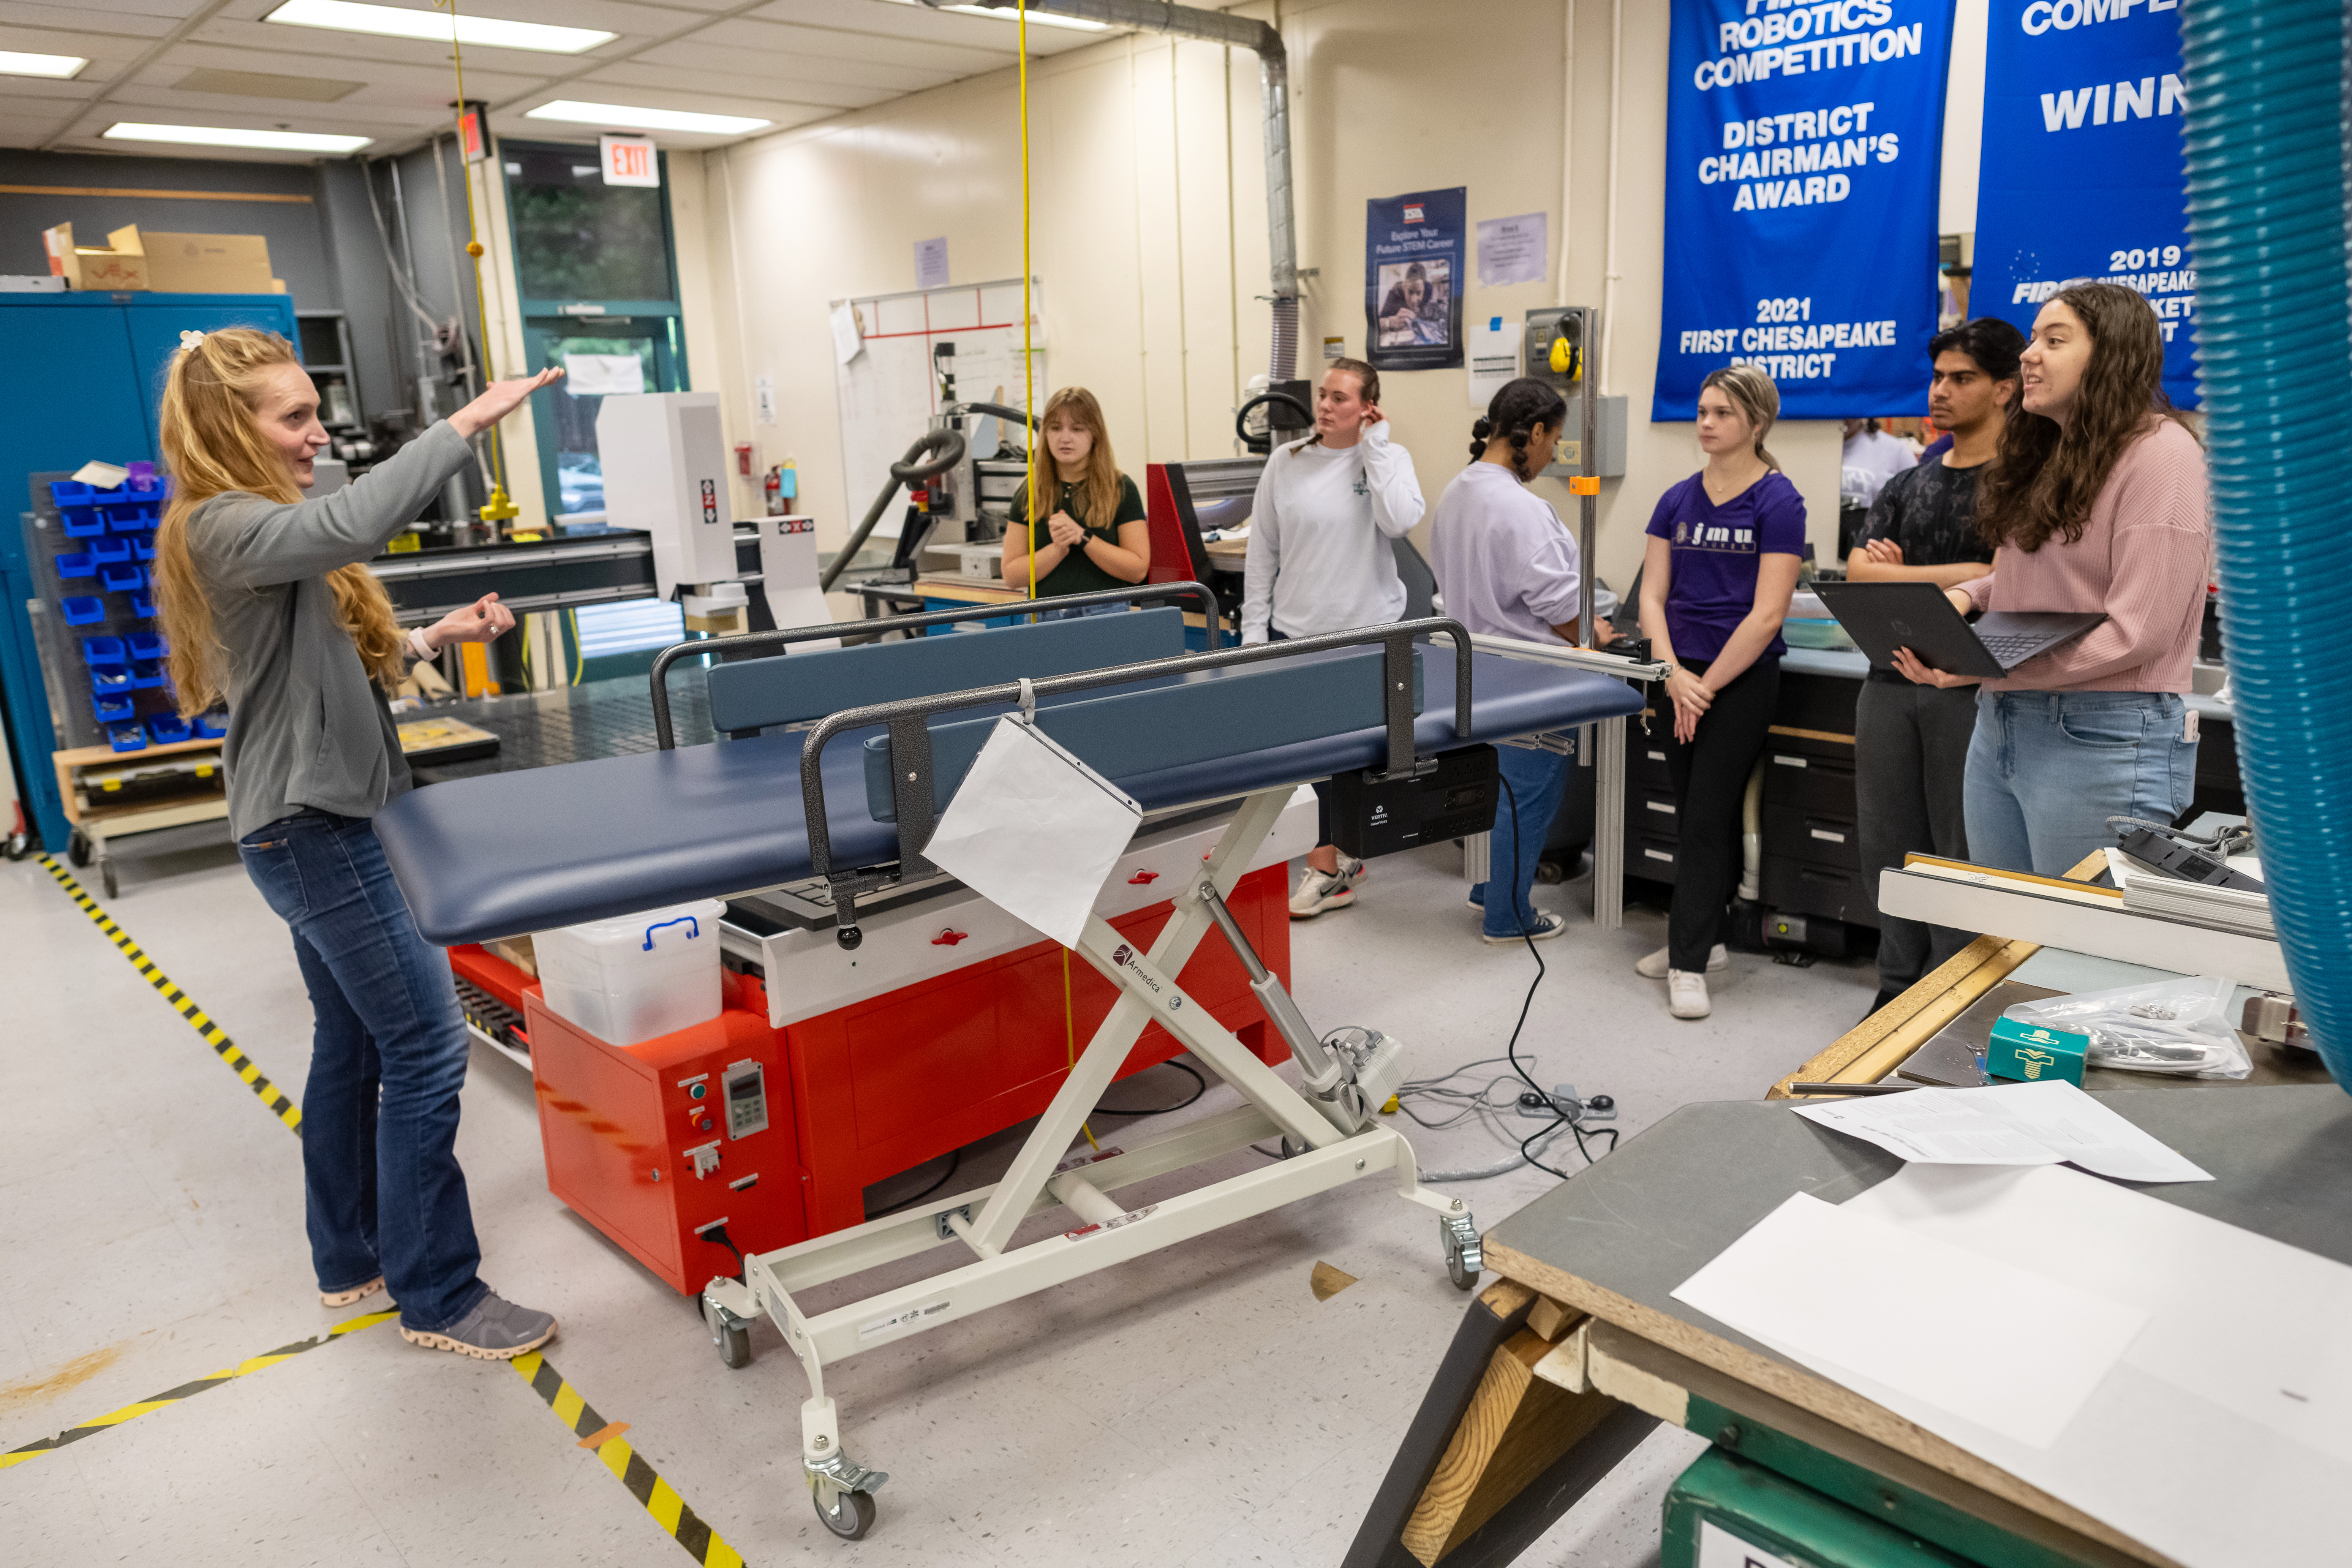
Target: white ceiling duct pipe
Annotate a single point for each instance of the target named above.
(1273, 84)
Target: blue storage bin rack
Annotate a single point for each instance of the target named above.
(84, 522)
(142, 521)
(126, 738)
(110, 551)
(103, 652)
(143, 547)
(75, 564)
(82, 609)
(142, 606)
(149, 647)
(167, 728)
(113, 709)
(122, 579)
(70, 493)
(111, 681)
(146, 675)
(212, 726)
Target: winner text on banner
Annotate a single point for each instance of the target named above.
(1801, 173)
(2083, 177)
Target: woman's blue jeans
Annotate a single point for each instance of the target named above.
(388, 1054)
(1522, 821)
(2046, 769)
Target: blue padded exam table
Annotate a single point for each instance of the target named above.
(520, 852)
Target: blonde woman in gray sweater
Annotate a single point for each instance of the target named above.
(265, 601)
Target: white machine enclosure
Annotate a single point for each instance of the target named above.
(787, 576)
(664, 455)
(809, 973)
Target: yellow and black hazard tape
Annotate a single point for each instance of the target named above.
(669, 1510)
(171, 1397)
(213, 1035)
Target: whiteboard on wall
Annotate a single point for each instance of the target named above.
(887, 393)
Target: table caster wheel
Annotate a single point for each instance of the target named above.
(78, 849)
(731, 1334)
(1465, 1258)
(850, 1516)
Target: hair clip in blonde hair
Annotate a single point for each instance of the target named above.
(190, 339)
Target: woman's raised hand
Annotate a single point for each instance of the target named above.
(499, 399)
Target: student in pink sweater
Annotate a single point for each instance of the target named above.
(2097, 500)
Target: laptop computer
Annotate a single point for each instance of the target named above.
(1884, 616)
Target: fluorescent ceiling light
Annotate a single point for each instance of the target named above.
(622, 115)
(1006, 14)
(15, 64)
(398, 22)
(217, 136)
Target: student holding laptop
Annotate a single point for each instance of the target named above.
(1911, 741)
(2096, 503)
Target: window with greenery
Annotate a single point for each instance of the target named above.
(577, 237)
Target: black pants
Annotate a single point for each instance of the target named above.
(1710, 777)
(1910, 755)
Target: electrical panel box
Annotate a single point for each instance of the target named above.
(664, 455)
(1561, 342)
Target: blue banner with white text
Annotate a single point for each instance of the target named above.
(2082, 175)
(1802, 171)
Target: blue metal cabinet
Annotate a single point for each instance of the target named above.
(83, 379)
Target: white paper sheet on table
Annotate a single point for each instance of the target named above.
(2011, 1124)
(2220, 1438)
(1034, 830)
(1841, 1290)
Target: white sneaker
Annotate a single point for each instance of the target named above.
(1687, 994)
(1319, 890)
(1547, 926)
(1654, 966)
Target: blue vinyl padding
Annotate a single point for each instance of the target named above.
(517, 852)
(754, 693)
(1163, 725)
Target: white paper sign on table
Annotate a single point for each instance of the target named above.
(1034, 830)
(2012, 1124)
(1849, 1295)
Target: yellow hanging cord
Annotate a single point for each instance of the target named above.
(499, 508)
(1028, 407)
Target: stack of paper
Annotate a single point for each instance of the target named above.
(2042, 1123)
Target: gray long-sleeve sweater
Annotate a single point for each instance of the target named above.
(306, 726)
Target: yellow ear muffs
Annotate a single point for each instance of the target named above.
(1567, 359)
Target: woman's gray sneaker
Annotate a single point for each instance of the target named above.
(495, 1330)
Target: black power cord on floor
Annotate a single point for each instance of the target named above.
(955, 1158)
(1200, 1088)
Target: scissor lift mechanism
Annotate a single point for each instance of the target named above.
(1329, 1134)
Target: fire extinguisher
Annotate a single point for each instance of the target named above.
(775, 491)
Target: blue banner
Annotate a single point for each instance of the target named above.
(1413, 278)
(2082, 175)
(1802, 171)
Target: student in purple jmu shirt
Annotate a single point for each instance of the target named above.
(1721, 562)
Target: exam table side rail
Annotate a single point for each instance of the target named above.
(907, 722)
(666, 739)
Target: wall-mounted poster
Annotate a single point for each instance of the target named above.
(2082, 176)
(1413, 278)
(1802, 167)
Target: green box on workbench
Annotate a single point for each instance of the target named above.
(1725, 1512)
(2034, 1052)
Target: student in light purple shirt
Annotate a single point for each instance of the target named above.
(1721, 564)
(1508, 567)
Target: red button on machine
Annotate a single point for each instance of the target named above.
(1141, 877)
(699, 1118)
(949, 937)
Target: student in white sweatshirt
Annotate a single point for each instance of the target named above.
(1320, 559)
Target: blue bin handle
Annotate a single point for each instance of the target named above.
(682, 920)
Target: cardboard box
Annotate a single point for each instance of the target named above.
(203, 263)
(2032, 1052)
(164, 263)
(98, 267)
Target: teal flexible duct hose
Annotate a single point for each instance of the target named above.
(2267, 207)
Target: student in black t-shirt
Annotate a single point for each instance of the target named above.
(1094, 534)
(1911, 741)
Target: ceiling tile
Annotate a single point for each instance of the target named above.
(806, 89)
(75, 18)
(692, 54)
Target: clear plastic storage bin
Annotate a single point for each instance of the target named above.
(627, 980)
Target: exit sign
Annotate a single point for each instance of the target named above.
(629, 161)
